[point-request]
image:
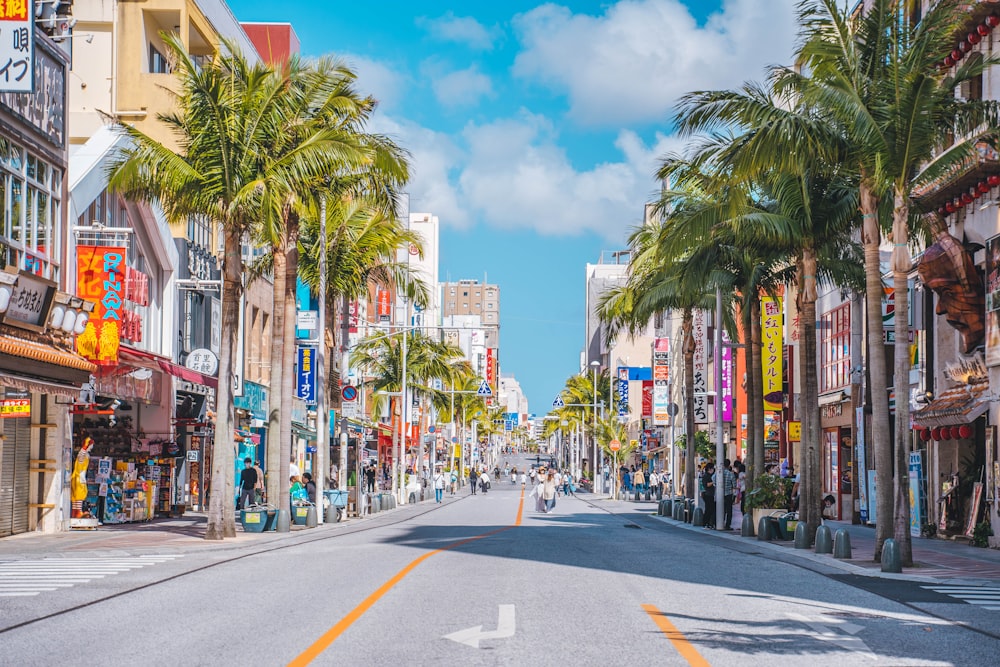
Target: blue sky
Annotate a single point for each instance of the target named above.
(535, 130)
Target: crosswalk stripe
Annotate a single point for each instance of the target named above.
(984, 597)
(29, 578)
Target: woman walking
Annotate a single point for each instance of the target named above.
(549, 491)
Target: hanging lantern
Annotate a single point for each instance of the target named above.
(973, 38)
(949, 208)
(957, 55)
(925, 434)
(993, 20)
(948, 61)
(967, 198)
(956, 432)
(993, 181)
(936, 433)
(976, 194)
(983, 187)
(965, 431)
(983, 29)
(964, 47)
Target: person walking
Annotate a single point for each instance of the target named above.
(248, 481)
(708, 495)
(438, 486)
(728, 494)
(484, 481)
(549, 491)
(524, 479)
(473, 480)
(640, 483)
(654, 484)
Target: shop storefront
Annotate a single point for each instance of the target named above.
(837, 453)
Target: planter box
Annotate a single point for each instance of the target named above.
(763, 511)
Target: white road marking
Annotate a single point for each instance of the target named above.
(822, 629)
(472, 636)
(977, 595)
(27, 578)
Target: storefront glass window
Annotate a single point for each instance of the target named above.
(29, 209)
(836, 348)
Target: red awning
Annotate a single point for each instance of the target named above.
(159, 362)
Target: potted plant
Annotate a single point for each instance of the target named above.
(770, 494)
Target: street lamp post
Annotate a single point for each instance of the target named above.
(322, 429)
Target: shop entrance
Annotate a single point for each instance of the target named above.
(15, 452)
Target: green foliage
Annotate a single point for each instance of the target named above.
(981, 534)
(771, 491)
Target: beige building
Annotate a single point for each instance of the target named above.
(471, 297)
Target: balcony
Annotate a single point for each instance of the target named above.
(980, 20)
(963, 184)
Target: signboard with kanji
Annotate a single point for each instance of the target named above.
(700, 332)
(305, 388)
(101, 272)
(17, 46)
(772, 353)
(15, 403)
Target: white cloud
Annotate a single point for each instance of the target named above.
(634, 61)
(377, 79)
(462, 29)
(462, 88)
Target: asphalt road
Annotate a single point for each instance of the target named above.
(486, 580)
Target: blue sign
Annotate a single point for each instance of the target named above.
(253, 400)
(622, 392)
(305, 388)
(508, 425)
(349, 393)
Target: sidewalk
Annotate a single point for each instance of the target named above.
(935, 560)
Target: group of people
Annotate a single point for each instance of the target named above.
(547, 484)
(640, 480)
(733, 481)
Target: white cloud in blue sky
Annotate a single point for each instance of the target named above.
(462, 88)
(461, 30)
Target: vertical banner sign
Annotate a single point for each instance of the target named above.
(727, 379)
(17, 46)
(100, 278)
(773, 351)
(647, 399)
(622, 392)
(699, 330)
(916, 470)
(353, 314)
(305, 388)
(661, 381)
(490, 372)
(993, 301)
(384, 305)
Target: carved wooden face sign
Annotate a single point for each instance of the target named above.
(948, 270)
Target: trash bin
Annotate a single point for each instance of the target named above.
(258, 520)
(299, 514)
(336, 498)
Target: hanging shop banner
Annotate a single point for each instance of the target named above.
(17, 46)
(491, 368)
(727, 379)
(647, 399)
(993, 301)
(384, 305)
(699, 331)
(353, 315)
(15, 403)
(305, 388)
(661, 381)
(622, 393)
(916, 474)
(773, 352)
(30, 301)
(100, 278)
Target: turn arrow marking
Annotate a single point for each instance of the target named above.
(472, 636)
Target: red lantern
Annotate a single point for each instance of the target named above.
(936, 433)
(949, 207)
(925, 434)
(956, 432)
(967, 198)
(965, 431)
(948, 62)
(973, 38)
(993, 20)
(983, 29)
(957, 55)
(993, 181)
(976, 194)
(983, 187)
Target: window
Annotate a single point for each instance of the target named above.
(30, 207)
(465, 293)
(490, 305)
(157, 62)
(451, 305)
(489, 317)
(835, 348)
(478, 306)
(452, 291)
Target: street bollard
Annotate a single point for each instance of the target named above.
(688, 510)
(801, 536)
(891, 560)
(698, 519)
(311, 518)
(764, 529)
(668, 507)
(746, 529)
(676, 512)
(842, 544)
(283, 522)
(824, 540)
(659, 508)
(330, 514)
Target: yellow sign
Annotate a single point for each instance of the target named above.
(772, 352)
(794, 431)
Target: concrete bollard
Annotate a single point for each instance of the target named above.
(330, 515)
(801, 536)
(312, 518)
(698, 518)
(689, 513)
(283, 522)
(842, 544)
(677, 512)
(668, 507)
(746, 528)
(824, 540)
(764, 529)
(891, 560)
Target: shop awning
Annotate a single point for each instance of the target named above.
(959, 405)
(32, 356)
(159, 362)
(39, 386)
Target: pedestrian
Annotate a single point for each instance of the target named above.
(537, 492)
(309, 486)
(741, 485)
(473, 480)
(549, 491)
(370, 478)
(484, 481)
(558, 480)
(259, 490)
(654, 484)
(524, 479)
(454, 481)
(640, 482)
(248, 482)
(438, 486)
(293, 470)
(728, 494)
(708, 495)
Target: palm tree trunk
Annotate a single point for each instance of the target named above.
(276, 479)
(810, 487)
(755, 400)
(871, 238)
(901, 265)
(222, 501)
(287, 304)
(687, 322)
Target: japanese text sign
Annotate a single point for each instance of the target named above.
(17, 46)
(305, 388)
(100, 276)
(700, 379)
(772, 353)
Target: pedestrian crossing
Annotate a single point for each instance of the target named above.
(984, 597)
(26, 578)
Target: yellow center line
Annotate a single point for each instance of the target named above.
(343, 624)
(680, 642)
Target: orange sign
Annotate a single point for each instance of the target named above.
(614, 445)
(100, 277)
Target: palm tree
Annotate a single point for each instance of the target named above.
(225, 124)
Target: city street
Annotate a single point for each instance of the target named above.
(484, 579)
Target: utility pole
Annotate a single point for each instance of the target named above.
(322, 429)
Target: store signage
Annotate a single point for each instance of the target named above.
(15, 403)
(993, 301)
(30, 300)
(831, 411)
(384, 305)
(647, 398)
(202, 360)
(661, 381)
(795, 431)
(305, 388)
(622, 392)
(306, 319)
(773, 352)
(353, 315)
(700, 331)
(253, 400)
(17, 46)
(490, 372)
(727, 379)
(967, 370)
(100, 274)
